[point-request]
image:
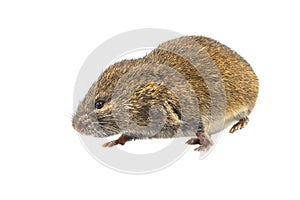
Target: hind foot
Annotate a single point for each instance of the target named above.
(121, 140)
(193, 141)
(239, 125)
(203, 140)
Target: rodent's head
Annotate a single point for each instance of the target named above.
(94, 113)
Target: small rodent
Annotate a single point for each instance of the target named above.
(222, 88)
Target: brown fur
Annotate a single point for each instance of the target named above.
(129, 85)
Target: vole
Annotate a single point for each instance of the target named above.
(192, 86)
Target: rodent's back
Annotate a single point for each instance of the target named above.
(239, 80)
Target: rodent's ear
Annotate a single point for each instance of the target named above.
(176, 110)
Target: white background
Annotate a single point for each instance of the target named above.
(42, 47)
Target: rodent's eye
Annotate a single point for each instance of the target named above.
(99, 104)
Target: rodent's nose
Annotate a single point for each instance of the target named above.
(77, 125)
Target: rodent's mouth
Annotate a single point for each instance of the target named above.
(89, 125)
(78, 129)
(82, 130)
(79, 126)
(86, 128)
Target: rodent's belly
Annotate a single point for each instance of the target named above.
(230, 118)
(211, 127)
(219, 126)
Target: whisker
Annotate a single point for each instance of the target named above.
(69, 115)
(104, 127)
